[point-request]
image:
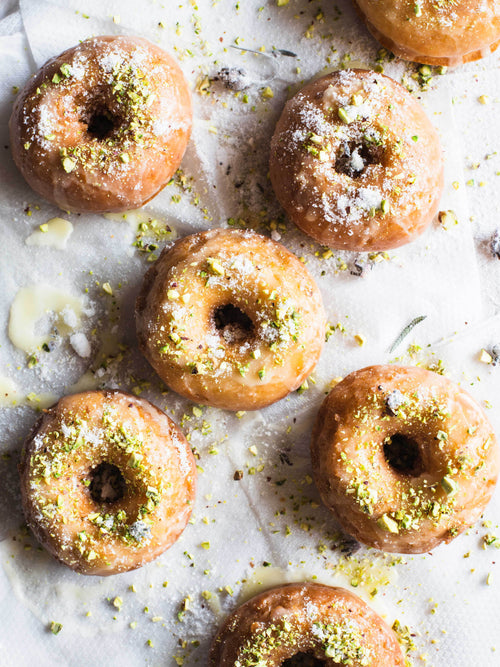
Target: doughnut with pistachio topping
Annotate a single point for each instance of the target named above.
(103, 126)
(435, 32)
(107, 481)
(356, 163)
(403, 457)
(305, 624)
(231, 319)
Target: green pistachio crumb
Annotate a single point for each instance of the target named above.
(449, 485)
(55, 627)
(65, 70)
(343, 116)
(215, 266)
(68, 164)
(386, 523)
(447, 219)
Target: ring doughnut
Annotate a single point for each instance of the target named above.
(231, 319)
(356, 163)
(435, 33)
(103, 126)
(318, 624)
(404, 458)
(107, 480)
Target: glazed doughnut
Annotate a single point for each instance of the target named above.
(231, 319)
(436, 33)
(103, 126)
(356, 163)
(404, 458)
(107, 480)
(308, 621)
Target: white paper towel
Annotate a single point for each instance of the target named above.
(273, 516)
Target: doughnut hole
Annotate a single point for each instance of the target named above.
(303, 660)
(403, 455)
(107, 484)
(232, 323)
(100, 122)
(355, 156)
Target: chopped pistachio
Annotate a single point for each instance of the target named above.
(135, 459)
(316, 139)
(55, 627)
(449, 485)
(68, 164)
(343, 116)
(386, 523)
(32, 361)
(215, 266)
(447, 219)
(485, 357)
(66, 70)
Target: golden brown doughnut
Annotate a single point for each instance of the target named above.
(103, 126)
(305, 621)
(231, 319)
(356, 163)
(108, 481)
(403, 457)
(436, 32)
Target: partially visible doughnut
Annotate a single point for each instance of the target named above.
(103, 126)
(403, 457)
(436, 32)
(356, 163)
(231, 319)
(107, 481)
(320, 624)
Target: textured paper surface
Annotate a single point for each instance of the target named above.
(449, 276)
